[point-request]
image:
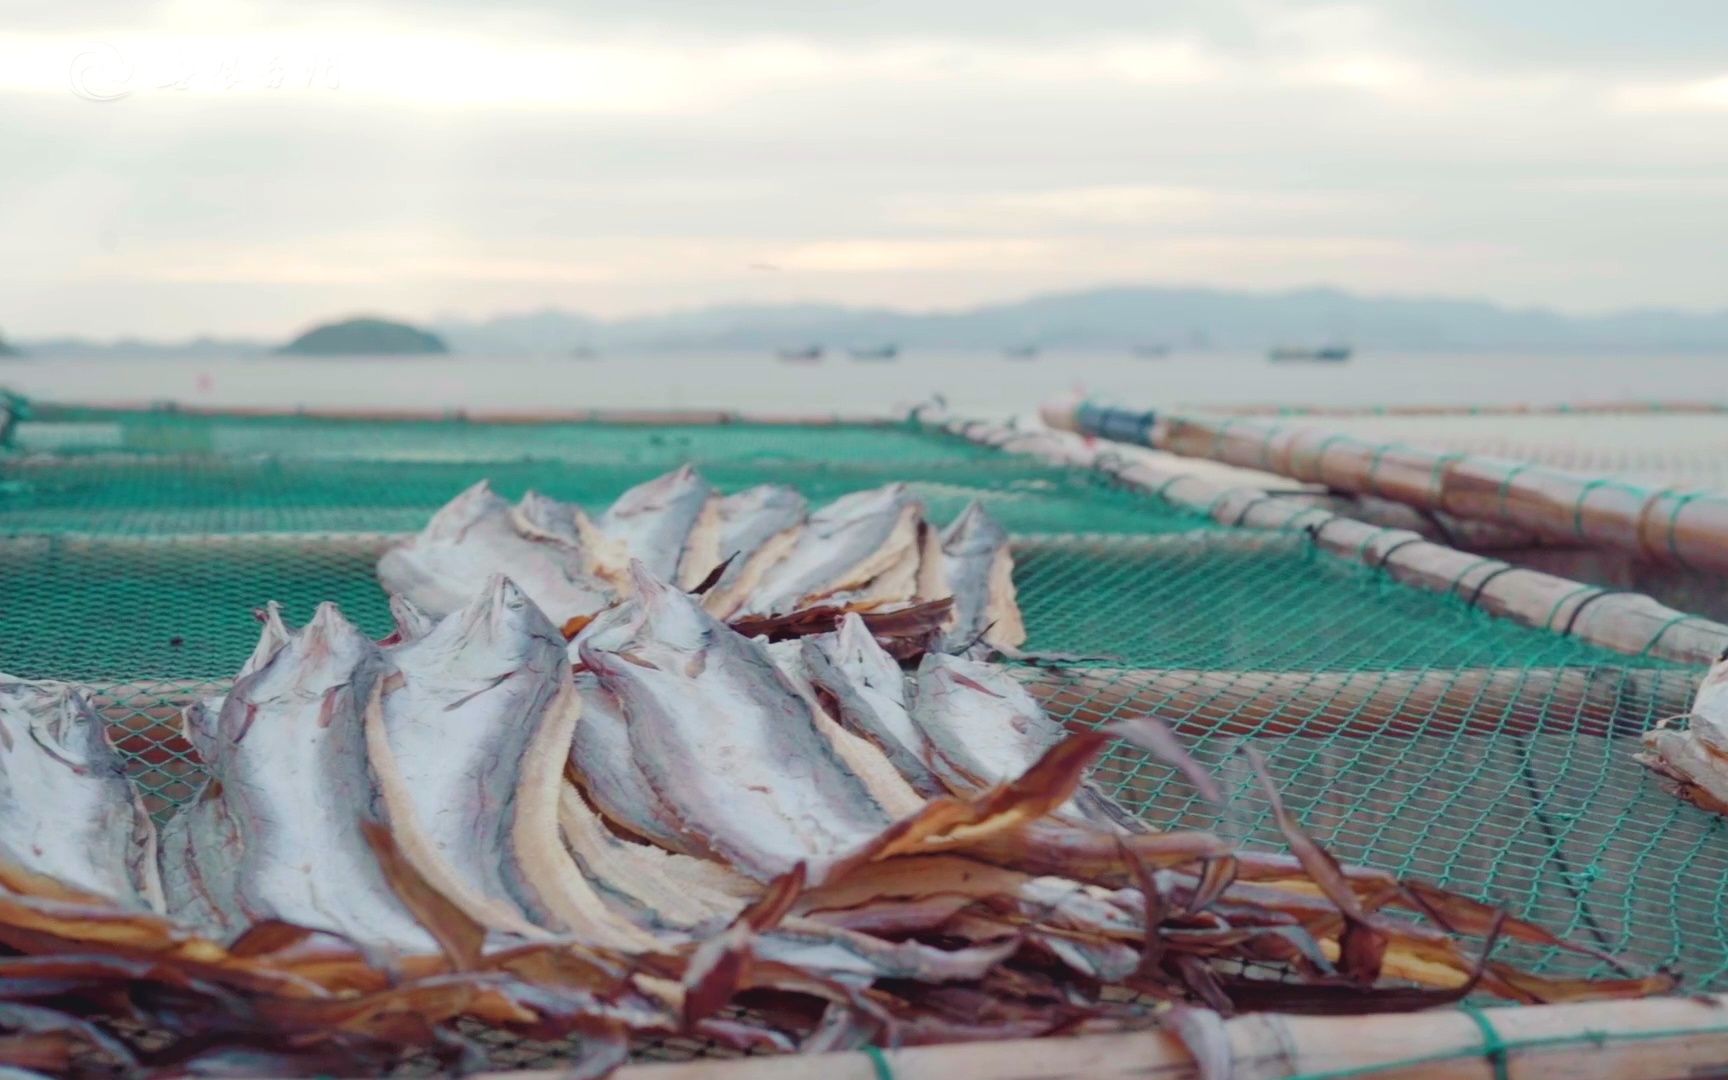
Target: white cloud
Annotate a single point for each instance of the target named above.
(1699, 95)
(889, 256)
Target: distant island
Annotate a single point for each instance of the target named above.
(365, 337)
(8, 350)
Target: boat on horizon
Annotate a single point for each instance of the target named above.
(876, 353)
(1021, 352)
(1324, 354)
(584, 352)
(1151, 351)
(807, 354)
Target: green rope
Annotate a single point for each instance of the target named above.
(1493, 1046)
(1320, 452)
(879, 1062)
(1437, 477)
(1663, 629)
(1506, 488)
(1548, 623)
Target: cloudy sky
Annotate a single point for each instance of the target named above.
(245, 167)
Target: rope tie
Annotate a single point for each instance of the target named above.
(1393, 550)
(879, 1062)
(1548, 623)
(1452, 586)
(1437, 477)
(1218, 438)
(1680, 503)
(1506, 488)
(1476, 595)
(1663, 629)
(1374, 464)
(1493, 1046)
(1584, 496)
(1320, 456)
(1572, 620)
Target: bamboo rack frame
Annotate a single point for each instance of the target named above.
(1624, 622)
(1654, 1039)
(1585, 408)
(682, 417)
(1665, 525)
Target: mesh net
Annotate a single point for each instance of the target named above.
(1410, 731)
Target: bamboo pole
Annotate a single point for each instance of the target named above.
(1624, 622)
(1653, 1039)
(680, 417)
(1660, 524)
(1586, 408)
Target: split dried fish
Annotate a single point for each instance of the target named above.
(861, 549)
(984, 729)
(66, 809)
(763, 789)
(447, 738)
(671, 524)
(275, 833)
(538, 544)
(1694, 762)
(869, 692)
(971, 563)
(758, 527)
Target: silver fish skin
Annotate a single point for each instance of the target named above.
(727, 743)
(759, 526)
(985, 729)
(654, 523)
(863, 758)
(843, 549)
(66, 808)
(448, 738)
(976, 568)
(869, 691)
(601, 757)
(478, 534)
(276, 832)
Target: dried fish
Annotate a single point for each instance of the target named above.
(447, 740)
(670, 523)
(762, 789)
(275, 833)
(66, 810)
(869, 691)
(1694, 762)
(602, 764)
(860, 755)
(983, 728)
(861, 549)
(972, 564)
(538, 544)
(759, 526)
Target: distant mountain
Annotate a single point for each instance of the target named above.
(1114, 318)
(9, 350)
(202, 348)
(364, 337)
(1118, 318)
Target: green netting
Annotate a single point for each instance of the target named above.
(1411, 731)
